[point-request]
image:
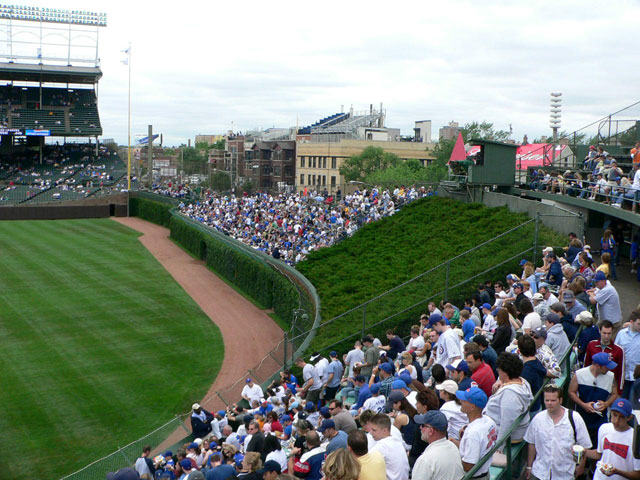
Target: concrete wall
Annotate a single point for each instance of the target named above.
(559, 219)
(60, 212)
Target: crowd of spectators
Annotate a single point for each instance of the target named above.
(65, 168)
(432, 401)
(290, 225)
(601, 179)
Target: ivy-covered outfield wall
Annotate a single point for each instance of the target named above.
(246, 269)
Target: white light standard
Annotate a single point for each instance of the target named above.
(555, 120)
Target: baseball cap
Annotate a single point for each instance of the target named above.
(584, 317)
(398, 384)
(568, 296)
(222, 413)
(540, 332)
(375, 388)
(599, 276)
(523, 262)
(623, 406)
(126, 473)
(538, 296)
(474, 395)
(448, 386)
(303, 415)
(309, 406)
(552, 318)
(314, 357)
(168, 453)
(543, 285)
(406, 378)
(285, 418)
(328, 423)
(394, 396)
(192, 445)
(603, 359)
(359, 378)
(434, 318)
(559, 307)
(294, 405)
(547, 249)
(386, 366)
(551, 255)
(324, 411)
(270, 466)
(333, 354)
(434, 418)
(487, 306)
(238, 458)
(185, 463)
(195, 406)
(512, 276)
(248, 380)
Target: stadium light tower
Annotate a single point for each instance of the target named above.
(555, 119)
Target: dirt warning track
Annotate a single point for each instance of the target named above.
(248, 332)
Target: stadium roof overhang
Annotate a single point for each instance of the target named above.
(23, 72)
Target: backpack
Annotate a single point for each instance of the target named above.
(573, 425)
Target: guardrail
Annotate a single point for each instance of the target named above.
(498, 472)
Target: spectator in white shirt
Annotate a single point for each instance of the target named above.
(252, 392)
(395, 456)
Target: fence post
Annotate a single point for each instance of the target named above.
(446, 283)
(535, 239)
(364, 320)
(286, 341)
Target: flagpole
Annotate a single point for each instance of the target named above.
(129, 124)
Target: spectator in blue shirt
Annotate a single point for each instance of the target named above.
(395, 347)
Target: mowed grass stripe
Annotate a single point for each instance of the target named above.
(101, 345)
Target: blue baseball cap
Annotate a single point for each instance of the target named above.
(309, 406)
(192, 445)
(622, 405)
(433, 418)
(324, 411)
(222, 413)
(333, 353)
(185, 463)
(523, 262)
(386, 366)
(398, 384)
(249, 380)
(603, 359)
(474, 395)
(434, 318)
(599, 276)
(486, 305)
(328, 423)
(406, 378)
(375, 388)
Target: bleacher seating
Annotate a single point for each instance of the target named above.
(71, 112)
(325, 122)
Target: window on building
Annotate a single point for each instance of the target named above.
(302, 179)
(313, 180)
(333, 180)
(314, 162)
(324, 179)
(302, 161)
(333, 162)
(324, 162)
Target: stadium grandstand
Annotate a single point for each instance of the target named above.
(49, 120)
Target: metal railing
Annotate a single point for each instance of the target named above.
(506, 440)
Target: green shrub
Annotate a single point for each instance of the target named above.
(156, 212)
(383, 255)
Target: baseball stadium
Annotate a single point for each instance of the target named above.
(156, 328)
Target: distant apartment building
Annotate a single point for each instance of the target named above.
(318, 163)
(449, 132)
(270, 165)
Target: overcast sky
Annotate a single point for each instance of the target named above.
(207, 67)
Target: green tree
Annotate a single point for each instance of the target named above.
(483, 130)
(357, 167)
(220, 182)
(202, 146)
(218, 145)
(193, 161)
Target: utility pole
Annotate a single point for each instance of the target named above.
(150, 155)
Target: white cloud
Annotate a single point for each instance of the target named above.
(199, 66)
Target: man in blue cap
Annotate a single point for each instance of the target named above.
(334, 376)
(606, 297)
(441, 459)
(270, 470)
(615, 441)
(481, 433)
(337, 438)
(593, 390)
(385, 371)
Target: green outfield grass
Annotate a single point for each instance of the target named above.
(99, 345)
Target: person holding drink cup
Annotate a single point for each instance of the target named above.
(614, 452)
(557, 438)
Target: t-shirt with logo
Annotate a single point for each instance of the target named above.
(376, 404)
(479, 437)
(448, 347)
(616, 450)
